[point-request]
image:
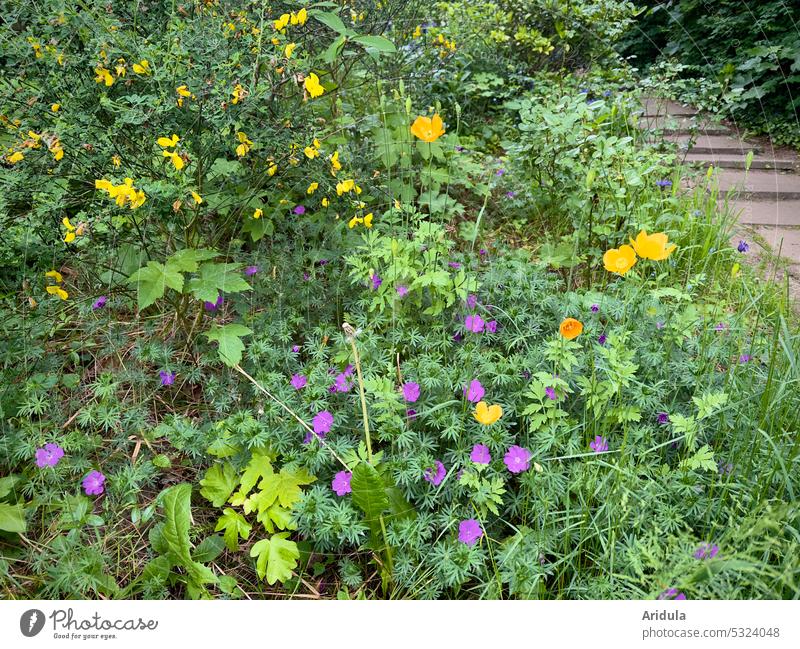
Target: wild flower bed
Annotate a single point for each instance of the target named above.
(294, 322)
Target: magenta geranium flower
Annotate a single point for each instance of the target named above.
(298, 381)
(672, 593)
(474, 323)
(411, 391)
(474, 392)
(213, 306)
(300, 210)
(472, 301)
(491, 326)
(469, 531)
(322, 423)
(376, 282)
(167, 377)
(435, 477)
(551, 393)
(49, 455)
(599, 445)
(402, 290)
(341, 483)
(93, 483)
(99, 303)
(341, 384)
(251, 270)
(517, 459)
(480, 454)
(706, 551)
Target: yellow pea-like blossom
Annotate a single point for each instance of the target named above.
(313, 86)
(142, 67)
(312, 188)
(244, 144)
(116, 160)
(176, 159)
(103, 76)
(335, 164)
(345, 187)
(311, 152)
(55, 107)
(238, 94)
(258, 213)
(325, 202)
(196, 197)
(273, 169)
(183, 91)
(168, 142)
(287, 51)
(281, 22)
(57, 290)
(15, 157)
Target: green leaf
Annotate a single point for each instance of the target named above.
(187, 260)
(12, 518)
(383, 45)
(228, 339)
(7, 485)
(285, 486)
(152, 280)
(330, 20)
(216, 278)
(258, 467)
(209, 549)
(235, 526)
(175, 532)
(276, 558)
(369, 492)
(333, 50)
(218, 483)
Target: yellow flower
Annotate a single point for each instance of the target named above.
(281, 22)
(183, 91)
(244, 144)
(325, 202)
(239, 93)
(570, 328)
(299, 18)
(142, 67)
(619, 260)
(310, 152)
(354, 222)
(55, 107)
(487, 414)
(196, 197)
(313, 86)
(116, 160)
(69, 237)
(287, 51)
(15, 157)
(57, 290)
(428, 129)
(312, 188)
(335, 164)
(345, 187)
(258, 213)
(652, 246)
(368, 220)
(103, 76)
(273, 169)
(55, 275)
(176, 160)
(168, 142)
(120, 68)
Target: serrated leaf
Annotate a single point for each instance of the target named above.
(214, 279)
(228, 338)
(276, 558)
(257, 468)
(235, 526)
(369, 492)
(153, 280)
(285, 486)
(218, 483)
(187, 260)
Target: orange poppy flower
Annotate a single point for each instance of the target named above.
(571, 328)
(428, 129)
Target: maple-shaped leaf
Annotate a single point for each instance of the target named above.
(259, 467)
(152, 280)
(235, 526)
(214, 279)
(218, 483)
(285, 486)
(229, 342)
(274, 517)
(276, 558)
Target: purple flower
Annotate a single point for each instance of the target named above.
(602, 339)
(411, 391)
(517, 459)
(459, 148)
(93, 483)
(511, 194)
(551, 393)
(49, 455)
(251, 270)
(599, 445)
(469, 531)
(167, 378)
(720, 326)
(474, 392)
(435, 477)
(659, 325)
(298, 381)
(411, 413)
(458, 337)
(706, 551)
(482, 252)
(724, 468)
(472, 301)
(348, 371)
(743, 246)
(306, 276)
(595, 308)
(341, 384)
(454, 264)
(99, 303)
(295, 349)
(213, 306)
(341, 483)
(322, 422)
(376, 282)
(672, 593)
(744, 358)
(491, 326)
(474, 323)
(299, 210)
(500, 172)
(663, 184)
(663, 418)
(322, 262)
(402, 290)
(525, 374)
(480, 454)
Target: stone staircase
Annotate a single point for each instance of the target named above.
(766, 198)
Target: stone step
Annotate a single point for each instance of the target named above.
(760, 185)
(777, 213)
(654, 106)
(672, 125)
(738, 161)
(785, 240)
(714, 144)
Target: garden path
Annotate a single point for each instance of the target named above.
(766, 198)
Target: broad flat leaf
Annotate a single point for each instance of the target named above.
(330, 20)
(187, 260)
(285, 486)
(235, 525)
(218, 483)
(175, 531)
(12, 518)
(333, 50)
(7, 485)
(229, 342)
(258, 467)
(276, 558)
(209, 549)
(383, 45)
(276, 517)
(152, 281)
(214, 279)
(369, 492)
